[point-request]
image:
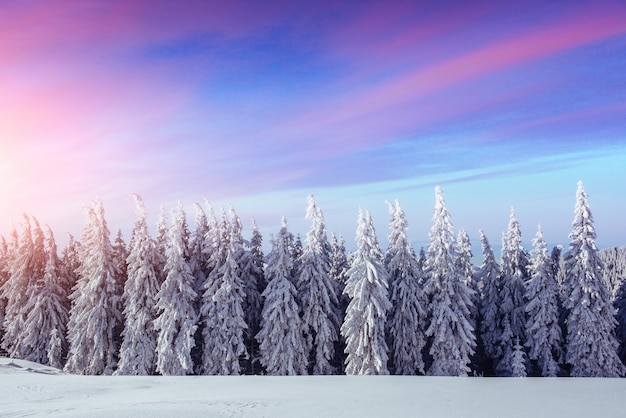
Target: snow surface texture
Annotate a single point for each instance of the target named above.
(29, 389)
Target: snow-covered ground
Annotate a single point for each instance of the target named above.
(28, 389)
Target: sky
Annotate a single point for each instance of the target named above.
(258, 104)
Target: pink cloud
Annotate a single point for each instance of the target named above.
(411, 94)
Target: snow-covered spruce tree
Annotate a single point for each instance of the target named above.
(120, 255)
(316, 294)
(137, 354)
(95, 311)
(518, 362)
(367, 286)
(256, 250)
(339, 267)
(251, 268)
(408, 315)
(295, 245)
(591, 347)
(620, 317)
(25, 270)
(451, 326)
(466, 269)
(223, 310)
(4, 276)
(161, 242)
(542, 326)
(70, 262)
(199, 262)
(282, 343)
(176, 320)
(198, 256)
(248, 276)
(47, 315)
(514, 275)
(490, 327)
(14, 290)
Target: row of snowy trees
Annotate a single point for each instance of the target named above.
(208, 301)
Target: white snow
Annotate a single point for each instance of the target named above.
(30, 389)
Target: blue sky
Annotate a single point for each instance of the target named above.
(259, 104)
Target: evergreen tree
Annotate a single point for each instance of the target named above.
(95, 311)
(70, 263)
(591, 347)
(518, 361)
(24, 271)
(408, 314)
(490, 327)
(256, 250)
(161, 242)
(199, 261)
(364, 325)
(176, 321)
(451, 327)
(282, 344)
(223, 310)
(137, 354)
(295, 246)
(43, 338)
(620, 317)
(542, 326)
(9, 286)
(248, 276)
(316, 293)
(514, 275)
(20, 275)
(198, 256)
(338, 273)
(466, 269)
(4, 276)
(251, 268)
(120, 256)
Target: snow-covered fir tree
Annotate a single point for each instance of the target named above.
(451, 326)
(138, 351)
(620, 317)
(27, 268)
(249, 276)
(295, 245)
(466, 269)
(490, 328)
(367, 286)
(282, 343)
(316, 294)
(198, 256)
(120, 255)
(96, 308)
(338, 273)
(518, 362)
(251, 267)
(614, 273)
(161, 241)
(409, 303)
(256, 250)
(177, 320)
(47, 316)
(70, 262)
(514, 275)
(591, 347)
(223, 306)
(4, 276)
(20, 273)
(542, 326)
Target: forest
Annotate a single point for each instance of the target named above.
(206, 301)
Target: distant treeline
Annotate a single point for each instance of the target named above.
(207, 301)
